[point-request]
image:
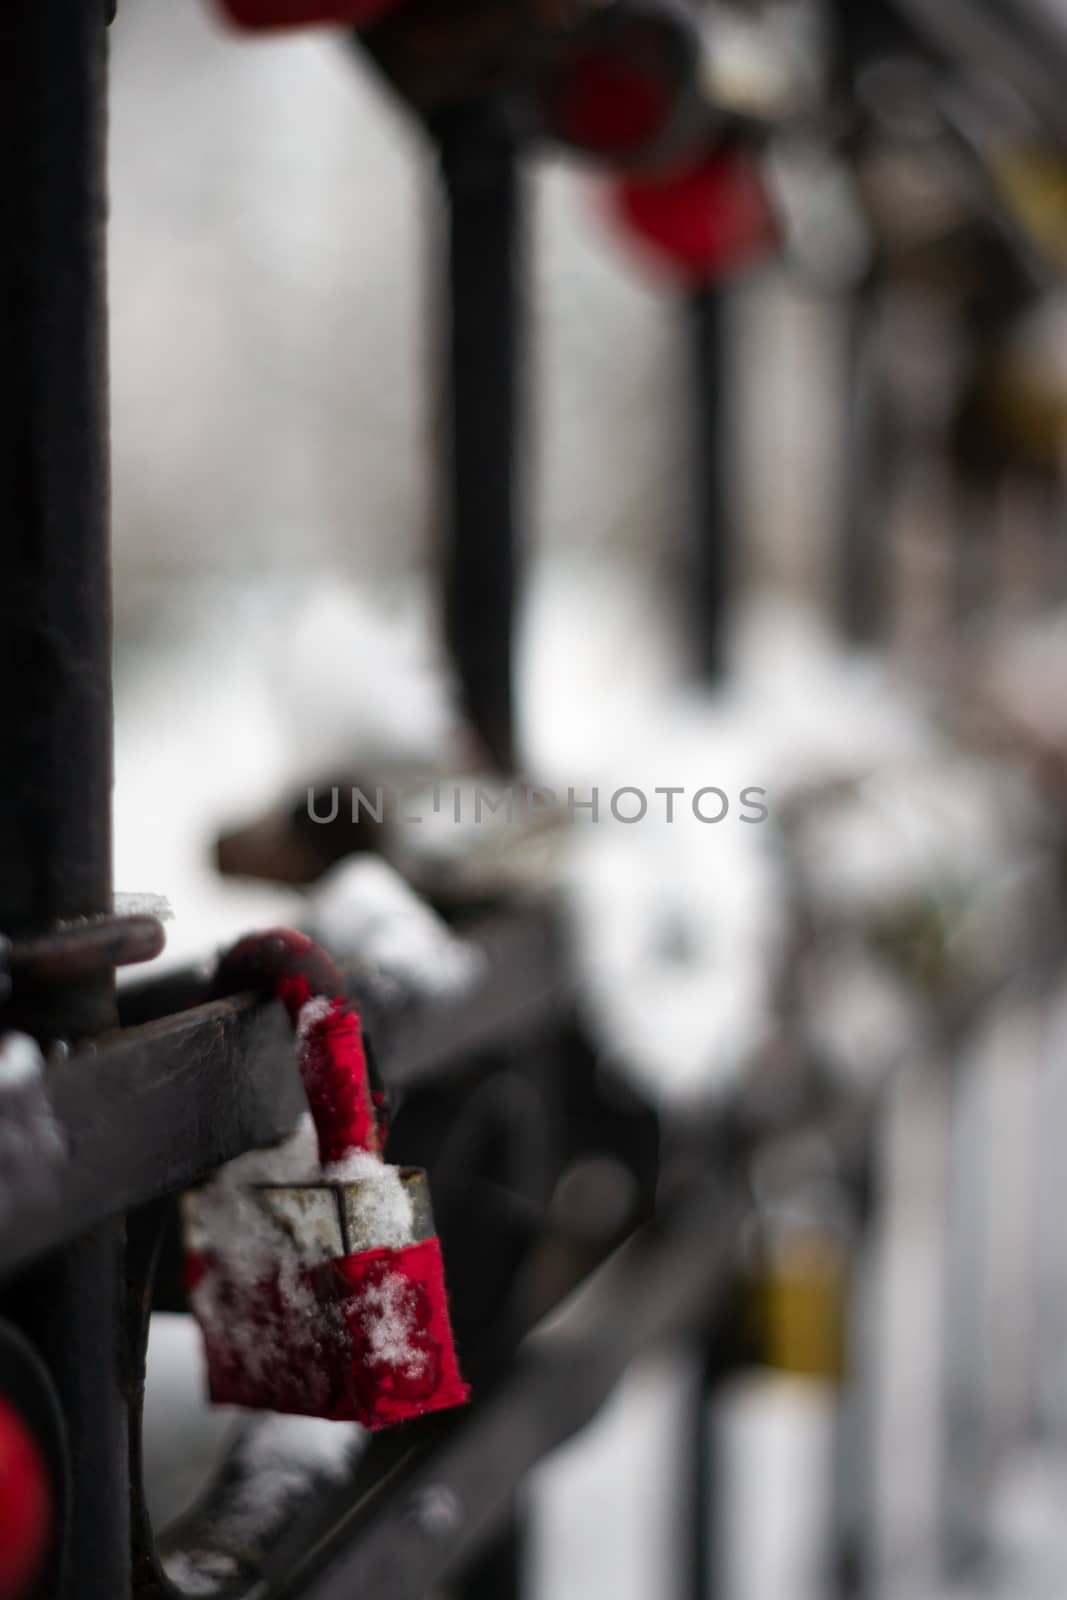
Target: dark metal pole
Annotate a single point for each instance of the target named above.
(708, 567)
(704, 1577)
(55, 632)
(482, 500)
(863, 574)
(55, 649)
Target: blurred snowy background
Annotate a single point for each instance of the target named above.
(274, 617)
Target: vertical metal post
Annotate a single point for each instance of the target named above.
(704, 1576)
(851, 1576)
(55, 650)
(708, 563)
(967, 1460)
(482, 415)
(55, 632)
(863, 572)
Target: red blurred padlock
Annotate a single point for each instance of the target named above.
(270, 14)
(624, 86)
(706, 221)
(319, 1285)
(26, 1511)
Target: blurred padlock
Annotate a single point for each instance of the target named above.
(705, 221)
(624, 86)
(620, 83)
(33, 1472)
(25, 1506)
(318, 1280)
(796, 1295)
(258, 15)
(1032, 180)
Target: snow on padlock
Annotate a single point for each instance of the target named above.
(315, 1274)
(328, 1322)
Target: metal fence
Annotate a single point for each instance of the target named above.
(497, 1092)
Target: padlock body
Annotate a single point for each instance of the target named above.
(708, 222)
(400, 1356)
(332, 1328)
(271, 1345)
(796, 1308)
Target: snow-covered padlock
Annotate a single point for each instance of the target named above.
(313, 1269)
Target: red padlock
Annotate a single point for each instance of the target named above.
(706, 221)
(317, 1277)
(269, 14)
(26, 1512)
(624, 87)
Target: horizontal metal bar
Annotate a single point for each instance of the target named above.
(86, 949)
(147, 1110)
(152, 1108)
(524, 982)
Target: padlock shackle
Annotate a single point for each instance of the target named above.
(282, 963)
(286, 965)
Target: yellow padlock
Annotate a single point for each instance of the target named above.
(1032, 180)
(796, 1297)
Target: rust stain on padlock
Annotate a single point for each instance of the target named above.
(329, 1220)
(309, 1216)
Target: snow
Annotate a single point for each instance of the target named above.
(930, 830)
(677, 939)
(21, 1061)
(203, 1572)
(250, 1248)
(312, 1013)
(275, 1465)
(31, 1141)
(264, 685)
(604, 1508)
(821, 714)
(681, 926)
(767, 63)
(384, 1204)
(387, 1316)
(143, 904)
(364, 909)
